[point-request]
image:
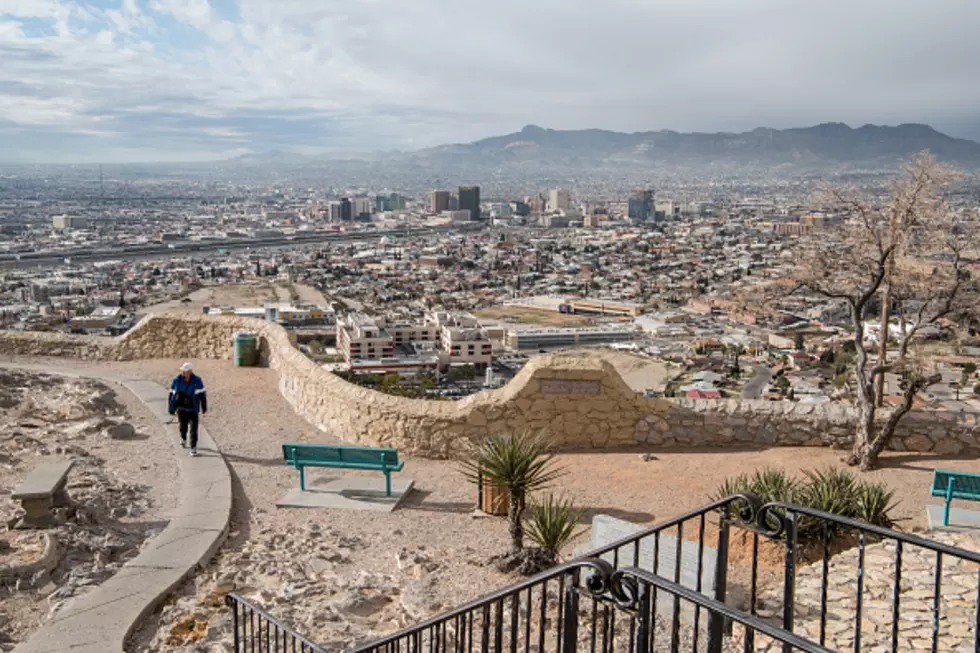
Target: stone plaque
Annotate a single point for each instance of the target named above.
(560, 387)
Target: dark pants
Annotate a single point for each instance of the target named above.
(185, 418)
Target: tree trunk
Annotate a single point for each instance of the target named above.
(516, 527)
(864, 433)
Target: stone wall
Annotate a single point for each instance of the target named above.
(580, 400)
(730, 422)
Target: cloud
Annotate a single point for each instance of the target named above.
(131, 77)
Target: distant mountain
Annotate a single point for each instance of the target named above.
(829, 144)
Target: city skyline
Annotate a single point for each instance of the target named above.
(192, 80)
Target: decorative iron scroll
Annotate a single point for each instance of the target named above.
(765, 519)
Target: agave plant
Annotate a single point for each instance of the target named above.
(521, 464)
(553, 525)
(874, 504)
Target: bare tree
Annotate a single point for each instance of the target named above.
(915, 245)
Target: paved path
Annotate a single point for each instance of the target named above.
(100, 621)
(754, 387)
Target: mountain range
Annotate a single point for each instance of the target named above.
(829, 143)
(550, 156)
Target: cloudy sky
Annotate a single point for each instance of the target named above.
(145, 80)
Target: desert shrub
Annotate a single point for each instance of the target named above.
(836, 491)
(553, 524)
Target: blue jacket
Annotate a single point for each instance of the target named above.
(188, 395)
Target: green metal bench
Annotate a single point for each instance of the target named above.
(342, 456)
(955, 485)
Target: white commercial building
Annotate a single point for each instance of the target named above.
(558, 199)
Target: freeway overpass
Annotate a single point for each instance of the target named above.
(202, 247)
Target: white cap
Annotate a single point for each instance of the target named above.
(186, 367)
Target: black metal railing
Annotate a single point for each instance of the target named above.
(256, 631)
(698, 582)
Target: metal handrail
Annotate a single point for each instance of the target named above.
(717, 607)
(907, 538)
(233, 600)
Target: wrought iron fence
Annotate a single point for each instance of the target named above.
(698, 582)
(256, 631)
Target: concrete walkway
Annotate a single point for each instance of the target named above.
(100, 621)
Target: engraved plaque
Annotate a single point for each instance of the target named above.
(560, 387)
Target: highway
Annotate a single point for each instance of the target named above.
(201, 247)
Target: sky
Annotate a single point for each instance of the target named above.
(101, 81)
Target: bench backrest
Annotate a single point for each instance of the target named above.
(966, 485)
(43, 481)
(296, 453)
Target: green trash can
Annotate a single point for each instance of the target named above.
(246, 349)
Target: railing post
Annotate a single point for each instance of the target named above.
(569, 642)
(643, 612)
(716, 622)
(234, 620)
(789, 576)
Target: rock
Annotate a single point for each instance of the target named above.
(420, 598)
(121, 431)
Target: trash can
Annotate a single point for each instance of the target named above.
(246, 348)
(493, 499)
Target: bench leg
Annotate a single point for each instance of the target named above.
(302, 480)
(949, 500)
(387, 483)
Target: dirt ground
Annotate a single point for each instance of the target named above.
(245, 295)
(533, 316)
(124, 491)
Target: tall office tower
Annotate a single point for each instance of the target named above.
(469, 200)
(439, 201)
(361, 208)
(396, 202)
(558, 199)
(346, 210)
(382, 203)
(641, 206)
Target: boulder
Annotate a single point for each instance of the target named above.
(121, 431)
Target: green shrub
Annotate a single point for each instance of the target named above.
(553, 524)
(874, 504)
(769, 484)
(837, 491)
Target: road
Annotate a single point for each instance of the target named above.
(201, 249)
(753, 389)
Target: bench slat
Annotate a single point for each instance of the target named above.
(43, 481)
(966, 485)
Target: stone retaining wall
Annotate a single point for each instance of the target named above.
(731, 422)
(580, 400)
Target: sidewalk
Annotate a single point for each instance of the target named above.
(100, 621)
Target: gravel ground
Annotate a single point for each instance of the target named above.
(250, 420)
(123, 490)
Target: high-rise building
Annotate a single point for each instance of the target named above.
(361, 208)
(346, 210)
(382, 203)
(439, 201)
(396, 202)
(641, 206)
(469, 200)
(558, 199)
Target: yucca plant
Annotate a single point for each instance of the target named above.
(553, 525)
(521, 464)
(874, 504)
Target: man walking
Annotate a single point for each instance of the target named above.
(187, 399)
